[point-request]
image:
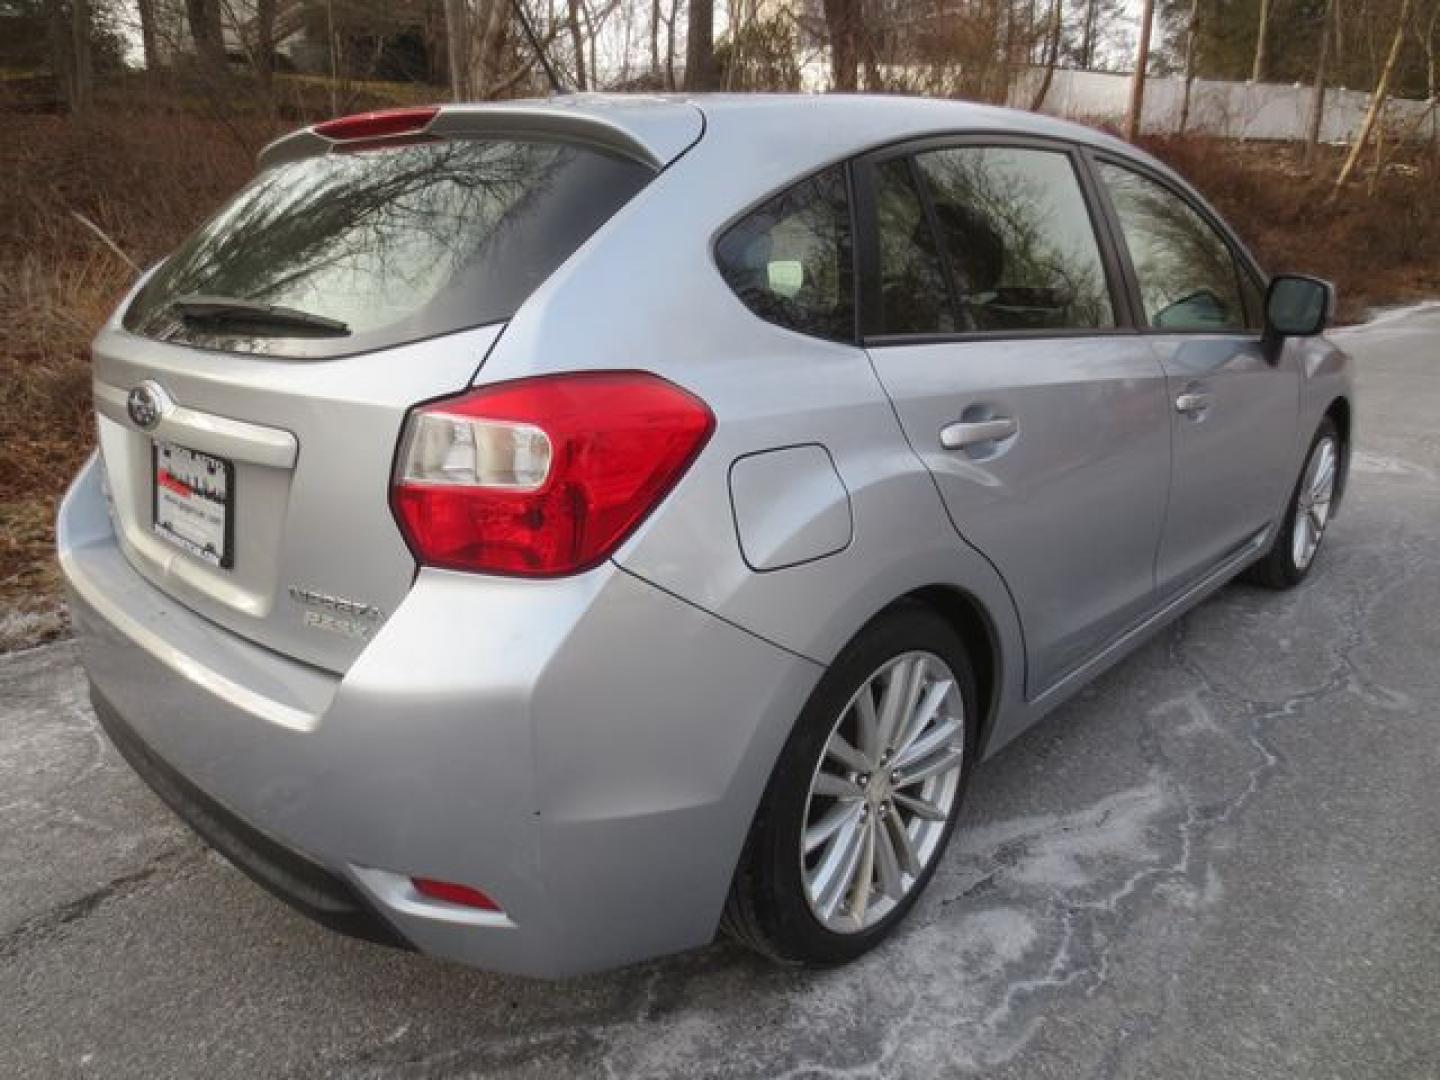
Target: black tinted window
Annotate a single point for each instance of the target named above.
(914, 298)
(1186, 273)
(1018, 239)
(790, 260)
(397, 244)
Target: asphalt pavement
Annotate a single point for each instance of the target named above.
(1221, 860)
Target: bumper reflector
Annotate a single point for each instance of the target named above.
(451, 893)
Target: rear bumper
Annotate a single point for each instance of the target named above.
(587, 751)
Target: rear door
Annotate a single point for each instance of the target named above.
(995, 319)
(248, 454)
(1234, 408)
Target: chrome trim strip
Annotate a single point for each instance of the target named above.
(234, 439)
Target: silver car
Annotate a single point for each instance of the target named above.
(543, 534)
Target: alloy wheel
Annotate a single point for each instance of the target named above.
(1312, 504)
(883, 792)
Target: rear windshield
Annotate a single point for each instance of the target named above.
(395, 244)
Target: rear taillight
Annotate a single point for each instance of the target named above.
(543, 476)
(378, 125)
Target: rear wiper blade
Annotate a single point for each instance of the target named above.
(235, 311)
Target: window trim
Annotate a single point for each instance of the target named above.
(1244, 261)
(867, 241)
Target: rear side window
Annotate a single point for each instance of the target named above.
(396, 244)
(1018, 239)
(790, 260)
(1187, 275)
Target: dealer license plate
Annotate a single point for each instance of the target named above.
(194, 500)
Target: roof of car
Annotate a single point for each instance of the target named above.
(660, 127)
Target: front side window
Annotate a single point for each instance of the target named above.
(1018, 239)
(1186, 272)
(789, 261)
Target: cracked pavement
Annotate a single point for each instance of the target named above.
(1220, 860)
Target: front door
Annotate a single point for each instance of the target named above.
(1234, 408)
(992, 325)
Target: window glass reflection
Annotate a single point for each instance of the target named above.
(1018, 238)
(425, 239)
(1187, 276)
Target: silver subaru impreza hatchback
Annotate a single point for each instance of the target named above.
(541, 535)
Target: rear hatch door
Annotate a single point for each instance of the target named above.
(251, 393)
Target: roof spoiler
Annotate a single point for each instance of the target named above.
(649, 130)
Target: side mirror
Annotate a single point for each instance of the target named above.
(1297, 306)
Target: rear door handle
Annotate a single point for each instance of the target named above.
(961, 434)
(1192, 402)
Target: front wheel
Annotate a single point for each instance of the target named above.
(1298, 541)
(864, 797)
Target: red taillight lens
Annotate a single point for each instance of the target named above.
(452, 893)
(378, 125)
(543, 476)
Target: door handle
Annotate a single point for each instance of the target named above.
(1192, 402)
(961, 434)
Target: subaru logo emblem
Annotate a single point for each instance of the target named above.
(147, 403)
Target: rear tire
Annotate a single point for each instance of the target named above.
(847, 834)
(1297, 544)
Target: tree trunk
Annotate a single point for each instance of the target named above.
(700, 46)
(205, 30)
(1142, 61)
(842, 24)
(577, 42)
(1377, 102)
(1317, 96)
(655, 39)
(1192, 33)
(455, 29)
(670, 82)
(265, 45)
(1257, 70)
(1052, 54)
(149, 40)
(69, 32)
(1087, 39)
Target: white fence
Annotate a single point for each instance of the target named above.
(1239, 110)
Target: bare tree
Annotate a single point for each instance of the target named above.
(69, 30)
(1377, 102)
(264, 56)
(149, 36)
(1317, 96)
(843, 26)
(1087, 36)
(455, 35)
(577, 42)
(1257, 69)
(1191, 33)
(206, 32)
(1142, 61)
(1052, 54)
(700, 46)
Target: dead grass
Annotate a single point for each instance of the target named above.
(146, 180)
(149, 167)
